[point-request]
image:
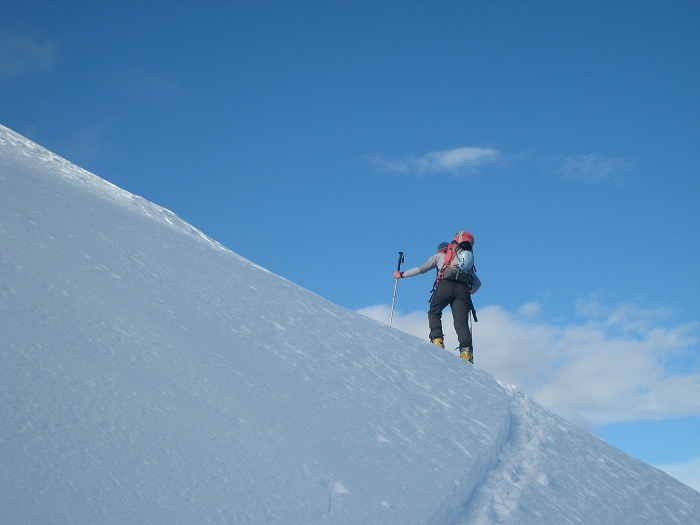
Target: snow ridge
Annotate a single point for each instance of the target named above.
(148, 377)
(18, 150)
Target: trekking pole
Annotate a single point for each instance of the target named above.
(393, 301)
(472, 316)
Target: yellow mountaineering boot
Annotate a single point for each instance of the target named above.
(438, 341)
(465, 352)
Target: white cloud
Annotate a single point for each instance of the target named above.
(609, 367)
(415, 323)
(688, 473)
(593, 168)
(454, 160)
(530, 310)
(20, 55)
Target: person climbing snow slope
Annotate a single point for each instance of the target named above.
(455, 283)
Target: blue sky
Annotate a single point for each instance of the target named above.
(318, 139)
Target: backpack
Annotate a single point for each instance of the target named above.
(459, 263)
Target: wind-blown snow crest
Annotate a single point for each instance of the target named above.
(147, 376)
(16, 150)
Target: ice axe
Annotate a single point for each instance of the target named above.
(393, 302)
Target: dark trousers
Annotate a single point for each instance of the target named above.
(457, 295)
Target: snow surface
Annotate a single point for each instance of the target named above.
(150, 375)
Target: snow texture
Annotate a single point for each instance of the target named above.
(150, 375)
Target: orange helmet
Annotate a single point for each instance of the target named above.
(464, 236)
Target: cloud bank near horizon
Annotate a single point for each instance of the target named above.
(615, 365)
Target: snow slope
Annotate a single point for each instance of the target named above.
(150, 375)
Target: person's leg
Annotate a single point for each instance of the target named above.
(461, 306)
(440, 299)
